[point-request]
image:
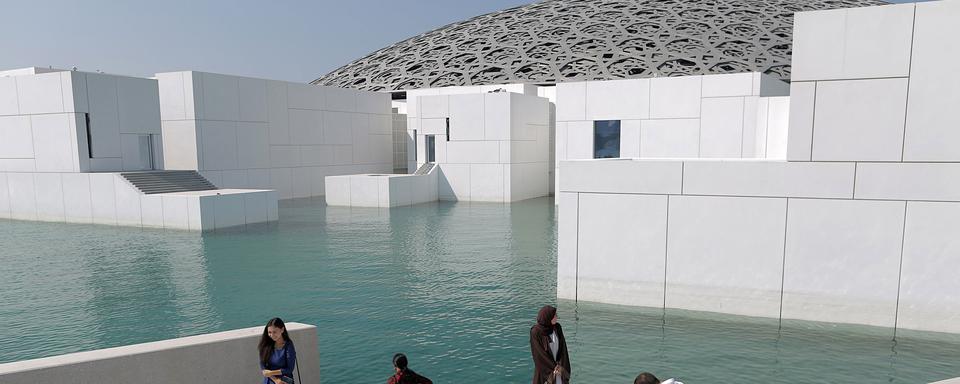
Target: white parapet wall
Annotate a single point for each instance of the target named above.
(241, 132)
(109, 199)
(217, 358)
(381, 190)
(859, 225)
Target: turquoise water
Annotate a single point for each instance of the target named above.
(455, 286)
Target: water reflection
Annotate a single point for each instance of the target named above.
(456, 286)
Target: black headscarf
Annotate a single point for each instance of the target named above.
(545, 323)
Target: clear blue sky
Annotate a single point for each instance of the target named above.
(283, 40)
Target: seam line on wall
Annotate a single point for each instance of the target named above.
(906, 103)
(666, 248)
(783, 261)
(576, 274)
(903, 236)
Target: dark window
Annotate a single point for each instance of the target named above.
(606, 139)
(431, 148)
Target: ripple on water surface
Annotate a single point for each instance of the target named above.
(456, 286)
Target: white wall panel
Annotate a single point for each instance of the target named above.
(180, 145)
(128, 202)
(434, 107)
(567, 236)
(928, 283)
(176, 212)
(277, 112)
(22, 195)
(253, 140)
(621, 176)
(932, 116)
(281, 179)
(465, 152)
(486, 182)
(40, 93)
(229, 211)
(302, 185)
(618, 99)
(307, 126)
(138, 105)
(622, 249)
(725, 254)
(255, 207)
(305, 96)
(726, 85)
(571, 101)
(16, 137)
(496, 116)
(467, 117)
(674, 138)
(219, 142)
(252, 95)
(103, 198)
(104, 115)
(769, 179)
(721, 127)
(778, 123)
(906, 181)
(9, 103)
(77, 201)
(336, 128)
(340, 99)
(675, 97)
(859, 120)
(54, 151)
(234, 179)
(454, 182)
(580, 140)
(151, 211)
(172, 96)
(842, 261)
(49, 189)
(221, 97)
(800, 134)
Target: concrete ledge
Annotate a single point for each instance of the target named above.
(223, 357)
(621, 176)
(769, 179)
(908, 181)
(381, 190)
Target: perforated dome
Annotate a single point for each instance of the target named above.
(564, 40)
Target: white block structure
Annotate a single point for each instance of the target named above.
(859, 224)
(223, 357)
(243, 132)
(381, 191)
(489, 146)
(66, 135)
(712, 116)
(70, 121)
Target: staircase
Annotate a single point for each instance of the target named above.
(152, 182)
(425, 169)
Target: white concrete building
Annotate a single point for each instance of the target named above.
(65, 136)
(858, 225)
(712, 116)
(241, 132)
(492, 147)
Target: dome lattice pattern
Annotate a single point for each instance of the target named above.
(567, 40)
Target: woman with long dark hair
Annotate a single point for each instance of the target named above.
(278, 357)
(403, 374)
(551, 363)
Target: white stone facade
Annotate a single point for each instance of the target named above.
(69, 121)
(713, 116)
(858, 225)
(253, 133)
(488, 146)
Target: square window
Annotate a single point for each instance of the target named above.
(606, 139)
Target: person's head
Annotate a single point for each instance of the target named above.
(646, 378)
(400, 362)
(547, 317)
(273, 333)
